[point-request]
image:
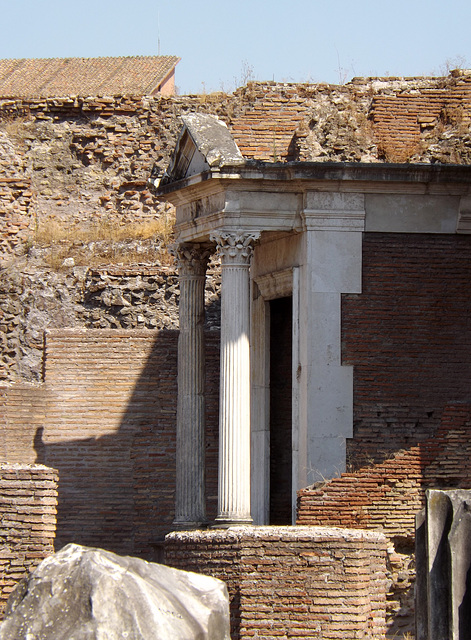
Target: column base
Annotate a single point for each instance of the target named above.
(224, 522)
(183, 525)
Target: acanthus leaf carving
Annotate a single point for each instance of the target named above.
(235, 247)
(191, 258)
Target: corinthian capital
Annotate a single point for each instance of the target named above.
(235, 247)
(191, 259)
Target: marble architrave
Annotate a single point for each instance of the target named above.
(235, 249)
(190, 509)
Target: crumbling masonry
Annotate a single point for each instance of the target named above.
(396, 283)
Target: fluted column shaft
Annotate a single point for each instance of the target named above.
(234, 399)
(190, 509)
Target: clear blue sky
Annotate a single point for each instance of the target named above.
(221, 42)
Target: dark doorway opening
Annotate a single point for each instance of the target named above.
(281, 450)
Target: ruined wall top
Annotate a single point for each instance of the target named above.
(367, 120)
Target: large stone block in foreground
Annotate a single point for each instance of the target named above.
(86, 594)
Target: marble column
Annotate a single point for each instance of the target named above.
(235, 249)
(190, 509)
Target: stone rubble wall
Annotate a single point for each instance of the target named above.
(286, 582)
(86, 160)
(35, 300)
(28, 504)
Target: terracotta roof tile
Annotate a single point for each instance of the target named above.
(57, 77)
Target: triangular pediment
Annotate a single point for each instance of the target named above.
(204, 143)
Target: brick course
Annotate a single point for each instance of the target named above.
(407, 337)
(28, 501)
(292, 582)
(403, 122)
(105, 418)
(387, 496)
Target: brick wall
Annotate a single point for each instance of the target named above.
(22, 416)
(403, 122)
(387, 496)
(286, 582)
(105, 418)
(407, 336)
(28, 500)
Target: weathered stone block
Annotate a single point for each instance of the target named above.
(91, 593)
(443, 556)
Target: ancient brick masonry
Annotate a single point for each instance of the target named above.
(105, 418)
(407, 337)
(15, 195)
(405, 122)
(80, 159)
(386, 497)
(28, 503)
(292, 582)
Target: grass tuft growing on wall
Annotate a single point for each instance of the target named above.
(105, 242)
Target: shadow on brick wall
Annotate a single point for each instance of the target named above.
(110, 432)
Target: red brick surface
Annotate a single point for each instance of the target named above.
(105, 418)
(28, 501)
(266, 128)
(292, 582)
(386, 496)
(401, 120)
(407, 337)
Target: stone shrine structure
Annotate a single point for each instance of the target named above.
(290, 232)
